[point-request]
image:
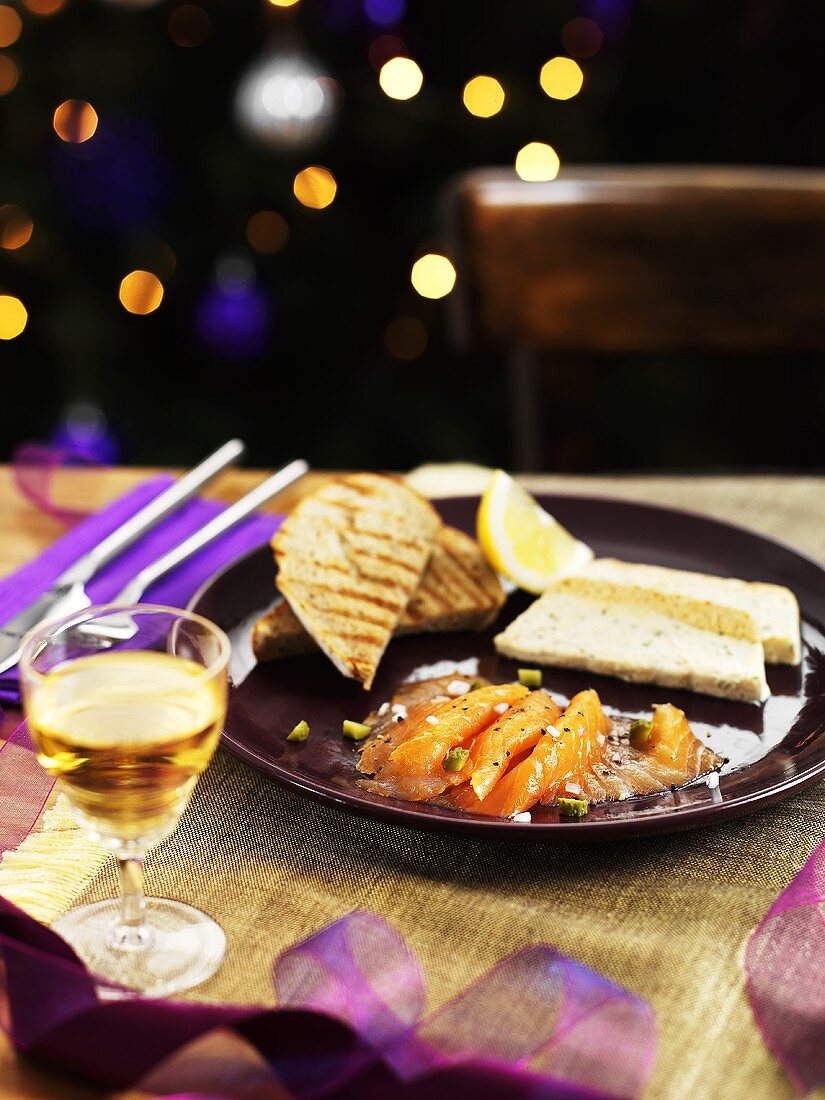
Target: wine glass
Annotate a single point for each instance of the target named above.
(125, 706)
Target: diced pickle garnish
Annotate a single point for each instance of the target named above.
(640, 730)
(356, 731)
(573, 807)
(530, 678)
(300, 733)
(455, 760)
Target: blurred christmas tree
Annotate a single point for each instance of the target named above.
(212, 209)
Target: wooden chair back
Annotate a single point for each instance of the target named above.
(636, 260)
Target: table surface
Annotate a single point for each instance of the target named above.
(782, 506)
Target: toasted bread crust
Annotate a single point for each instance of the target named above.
(458, 591)
(349, 558)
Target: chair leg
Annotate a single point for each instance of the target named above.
(525, 411)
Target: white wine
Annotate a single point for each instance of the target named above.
(127, 734)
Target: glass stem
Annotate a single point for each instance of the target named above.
(132, 931)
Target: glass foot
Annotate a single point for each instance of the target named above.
(177, 948)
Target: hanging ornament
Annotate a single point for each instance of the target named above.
(286, 99)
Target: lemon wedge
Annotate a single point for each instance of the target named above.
(522, 541)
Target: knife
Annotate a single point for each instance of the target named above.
(68, 592)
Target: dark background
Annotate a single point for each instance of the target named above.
(674, 81)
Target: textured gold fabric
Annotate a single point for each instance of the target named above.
(667, 917)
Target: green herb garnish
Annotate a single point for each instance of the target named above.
(356, 731)
(640, 731)
(455, 760)
(300, 733)
(573, 807)
(530, 678)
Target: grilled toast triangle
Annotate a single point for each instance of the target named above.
(349, 558)
(458, 591)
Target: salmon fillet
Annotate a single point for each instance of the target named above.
(566, 752)
(413, 769)
(518, 729)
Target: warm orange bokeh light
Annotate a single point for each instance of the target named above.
(433, 275)
(400, 78)
(267, 232)
(15, 227)
(75, 121)
(140, 292)
(8, 75)
(561, 78)
(315, 187)
(44, 7)
(13, 317)
(483, 96)
(10, 25)
(537, 162)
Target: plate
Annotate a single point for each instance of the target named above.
(773, 748)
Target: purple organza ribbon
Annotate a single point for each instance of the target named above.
(34, 467)
(785, 972)
(349, 1024)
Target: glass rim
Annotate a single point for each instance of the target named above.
(40, 633)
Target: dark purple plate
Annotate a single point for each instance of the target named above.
(773, 749)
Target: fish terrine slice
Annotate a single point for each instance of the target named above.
(634, 642)
(773, 607)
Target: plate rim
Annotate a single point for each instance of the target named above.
(408, 816)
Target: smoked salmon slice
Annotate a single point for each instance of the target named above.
(573, 743)
(414, 768)
(519, 728)
(671, 757)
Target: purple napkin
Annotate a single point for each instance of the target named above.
(30, 581)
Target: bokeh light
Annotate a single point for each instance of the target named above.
(537, 162)
(267, 232)
(10, 25)
(405, 338)
(582, 37)
(400, 78)
(433, 275)
(189, 25)
(286, 99)
(15, 227)
(561, 78)
(140, 292)
(44, 7)
(75, 121)
(283, 3)
(13, 317)
(315, 187)
(385, 12)
(483, 96)
(8, 75)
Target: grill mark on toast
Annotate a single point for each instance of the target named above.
(353, 594)
(388, 559)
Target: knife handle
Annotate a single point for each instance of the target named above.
(222, 523)
(156, 511)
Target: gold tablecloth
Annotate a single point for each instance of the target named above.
(667, 917)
